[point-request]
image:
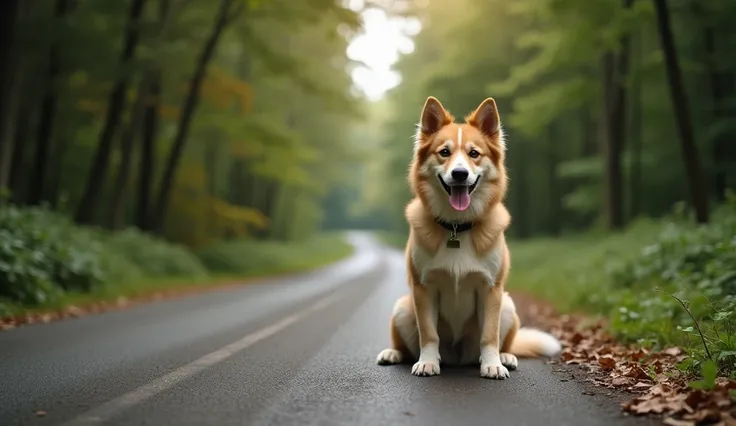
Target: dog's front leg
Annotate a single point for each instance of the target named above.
(425, 307)
(490, 358)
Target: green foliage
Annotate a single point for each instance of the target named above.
(43, 255)
(542, 61)
(659, 283)
(47, 261)
(252, 257)
(155, 257)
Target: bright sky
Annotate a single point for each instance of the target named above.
(383, 39)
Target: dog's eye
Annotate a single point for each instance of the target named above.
(474, 154)
(445, 152)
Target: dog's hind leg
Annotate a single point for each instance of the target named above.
(509, 327)
(404, 335)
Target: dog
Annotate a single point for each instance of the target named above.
(457, 312)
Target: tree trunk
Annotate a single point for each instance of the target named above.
(10, 75)
(695, 178)
(615, 70)
(115, 107)
(636, 143)
(148, 147)
(18, 169)
(187, 113)
(127, 146)
(519, 189)
(611, 144)
(150, 127)
(553, 220)
(36, 191)
(587, 132)
(722, 88)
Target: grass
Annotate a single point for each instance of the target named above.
(251, 257)
(393, 239)
(227, 262)
(568, 271)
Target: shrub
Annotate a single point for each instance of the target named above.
(43, 254)
(252, 257)
(155, 257)
(688, 274)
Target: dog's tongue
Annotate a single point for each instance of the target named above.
(459, 197)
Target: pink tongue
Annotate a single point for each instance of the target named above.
(459, 197)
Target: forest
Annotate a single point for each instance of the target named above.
(614, 109)
(149, 143)
(144, 131)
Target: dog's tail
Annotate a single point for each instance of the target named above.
(532, 343)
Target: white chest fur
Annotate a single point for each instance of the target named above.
(455, 275)
(458, 263)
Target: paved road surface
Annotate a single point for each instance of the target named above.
(298, 350)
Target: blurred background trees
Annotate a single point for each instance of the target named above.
(614, 109)
(195, 120)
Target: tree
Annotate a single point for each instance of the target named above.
(225, 15)
(116, 104)
(680, 104)
(9, 83)
(48, 112)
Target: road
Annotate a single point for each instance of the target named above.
(296, 350)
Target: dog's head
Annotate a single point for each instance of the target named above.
(458, 168)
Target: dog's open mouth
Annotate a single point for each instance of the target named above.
(459, 194)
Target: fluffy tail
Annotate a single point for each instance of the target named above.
(532, 343)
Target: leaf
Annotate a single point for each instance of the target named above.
(709, 372)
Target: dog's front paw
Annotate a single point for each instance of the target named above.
(494, 371)
(426, 368)
(509, 361)
(389, 357)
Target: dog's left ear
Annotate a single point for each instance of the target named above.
(485, 118)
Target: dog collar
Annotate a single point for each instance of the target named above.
(457, 227)
(453, 242)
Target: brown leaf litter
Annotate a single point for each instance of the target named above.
(652, 376)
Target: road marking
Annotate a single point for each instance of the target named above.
(106, 411)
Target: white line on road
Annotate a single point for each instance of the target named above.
(115, 406)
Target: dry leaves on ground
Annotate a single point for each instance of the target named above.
(660, 387)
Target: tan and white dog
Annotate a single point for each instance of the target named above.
(457, 312)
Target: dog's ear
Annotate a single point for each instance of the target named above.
(434, 116)
(485, 118)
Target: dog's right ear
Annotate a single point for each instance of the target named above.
(434, 116)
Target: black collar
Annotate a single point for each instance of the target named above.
(457, 227)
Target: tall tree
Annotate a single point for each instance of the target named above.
(10, 75)
(127, 147)
(228, 10)
(681, 106)
(115, 107)
(615, 71)
(48, 112)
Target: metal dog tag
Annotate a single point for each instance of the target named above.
(453, 242)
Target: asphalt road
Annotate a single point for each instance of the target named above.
(298, 350)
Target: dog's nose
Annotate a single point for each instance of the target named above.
(460, 175)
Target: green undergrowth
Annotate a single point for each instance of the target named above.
(262, 257)
(659, 283)
(48, 262)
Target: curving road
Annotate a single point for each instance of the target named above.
(297, 350)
